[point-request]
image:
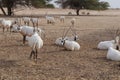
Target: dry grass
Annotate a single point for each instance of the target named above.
(55, 63)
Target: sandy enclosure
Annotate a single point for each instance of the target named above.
(55, 63)
(42, 11)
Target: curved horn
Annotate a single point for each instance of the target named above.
(67, 31)
(63, 33)
(42, 32)
(74, 31)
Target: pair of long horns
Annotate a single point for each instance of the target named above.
(114, 32)
(65, 33)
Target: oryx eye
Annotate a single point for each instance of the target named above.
(18, 28)
(62, 41)
(38, 31)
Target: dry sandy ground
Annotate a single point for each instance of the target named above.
(55, 63)
(65, 12)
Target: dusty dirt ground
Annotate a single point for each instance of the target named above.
(55, 63)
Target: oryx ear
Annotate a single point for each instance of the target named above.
(18, 28)
(117, 39)
(63, 38)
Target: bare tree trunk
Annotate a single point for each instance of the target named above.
(77, 12)
(10, 4)
(2, 9)
(9, 11)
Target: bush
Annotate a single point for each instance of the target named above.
(50, 6)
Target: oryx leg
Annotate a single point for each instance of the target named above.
(24, 39)
(3, 29)
(31, 54)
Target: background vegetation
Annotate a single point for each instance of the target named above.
(83, 4)
(73, 4)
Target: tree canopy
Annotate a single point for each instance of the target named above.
(40, 3)
(10, 4)
(84, 4)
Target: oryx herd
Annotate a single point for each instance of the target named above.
(113, 46)
(33, 35)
